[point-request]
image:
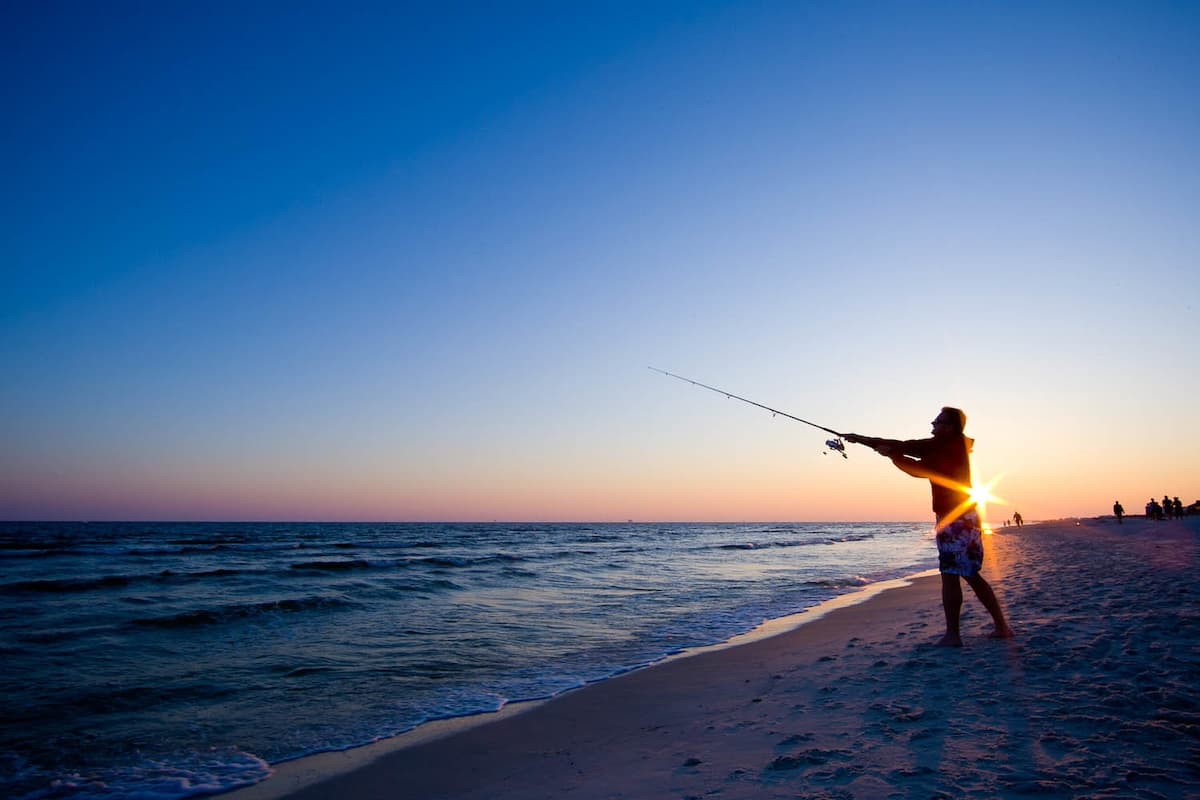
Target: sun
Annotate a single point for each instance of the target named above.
(981, 495)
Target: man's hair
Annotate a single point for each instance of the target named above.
(956, 415)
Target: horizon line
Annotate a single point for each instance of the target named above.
(458, 521)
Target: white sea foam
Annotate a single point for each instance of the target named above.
(149, 779)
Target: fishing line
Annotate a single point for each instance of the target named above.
(836, 444)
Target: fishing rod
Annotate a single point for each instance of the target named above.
(835, 444)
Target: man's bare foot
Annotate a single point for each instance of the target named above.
(1002, 633)
(950, 640)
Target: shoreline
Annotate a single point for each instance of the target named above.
(291, 776)
(1096, 695)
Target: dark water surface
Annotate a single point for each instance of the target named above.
(181, 658)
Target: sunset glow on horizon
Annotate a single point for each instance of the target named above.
(411, 264)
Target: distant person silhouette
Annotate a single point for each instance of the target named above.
(1178, 505)
(1154, 510)
(1118, 511)
(1018, 520)
(944, 460)
(1167, 507)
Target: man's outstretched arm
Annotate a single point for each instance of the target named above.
(911, 467)
(891, 448)
(883, 446)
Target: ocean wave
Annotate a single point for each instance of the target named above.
(502, 558)
(420, 585)
(194, 548)
(436, 562)
(39, 552)
(9, 544)
(66, 585)
(815, 542)
(850, 537)
(167, 778)
(846, 582)
(300, 672)
(519, 572)
(136, 697)
(439, 584)
(241, 611)
(457, 562)
(141, 551)
(443, 561)
(332, 566)
(223, 572)
(54, 635)
(91, 584)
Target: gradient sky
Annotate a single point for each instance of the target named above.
(310, 261)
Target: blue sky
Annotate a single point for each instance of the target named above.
(410, 262)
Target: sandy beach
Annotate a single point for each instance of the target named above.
(1098, 696)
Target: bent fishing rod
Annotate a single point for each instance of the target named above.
(835, 444)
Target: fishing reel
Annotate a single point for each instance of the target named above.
(836, 445)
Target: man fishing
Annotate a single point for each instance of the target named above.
(944, 460)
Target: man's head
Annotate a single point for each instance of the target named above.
(949, 421)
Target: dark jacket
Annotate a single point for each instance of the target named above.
(946, 462)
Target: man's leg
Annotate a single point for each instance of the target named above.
(952, 599)
(983, 591)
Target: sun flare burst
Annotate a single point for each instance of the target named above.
(982, 495)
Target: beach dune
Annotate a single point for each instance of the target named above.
(1098, 696)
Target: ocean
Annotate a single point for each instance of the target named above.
(167, 660)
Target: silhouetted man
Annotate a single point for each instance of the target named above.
(1118, 511)
(944, 460)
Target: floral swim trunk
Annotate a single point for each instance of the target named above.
(960, 546)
